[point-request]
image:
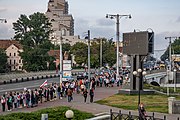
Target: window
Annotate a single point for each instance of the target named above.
(10, 62)
(19, 61)
(14, 67)
(19, 67)
(14, 61)
(14, 54)
(9, 54)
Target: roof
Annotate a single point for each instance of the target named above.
(4, 44)
(55, 53)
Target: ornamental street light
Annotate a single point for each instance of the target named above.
(138, 74)
(117, 17)
(174, 79)
(170, 56)
(89, 67)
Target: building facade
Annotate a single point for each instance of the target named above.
(13, 48)
(62, 21)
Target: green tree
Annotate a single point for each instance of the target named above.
(95, 53)
(3, 61)
(80, 51)
(33, 30)
(175, 49)
(33, 33)
(109, 52)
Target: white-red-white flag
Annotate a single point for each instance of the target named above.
(44, 84)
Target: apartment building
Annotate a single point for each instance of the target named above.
(13, 48)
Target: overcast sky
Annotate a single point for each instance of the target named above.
(162, 16)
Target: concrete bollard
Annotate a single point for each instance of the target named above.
(44, 116)
(170, 104)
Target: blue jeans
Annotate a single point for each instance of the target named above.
(69, 98)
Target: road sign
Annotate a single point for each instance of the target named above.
(66, 74)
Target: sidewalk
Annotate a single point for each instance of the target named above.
(93, 108)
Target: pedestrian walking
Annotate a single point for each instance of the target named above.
(91, 93)
(28, 99)
(32, 98)
(69, 93)
(85, 92)
(9, 102)
(3, 102)
(15, 100)
(142, 112)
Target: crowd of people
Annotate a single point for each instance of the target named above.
(33, 97)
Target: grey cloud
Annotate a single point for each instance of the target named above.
(161, 42)
(178, 19)
(105, 22)
(82, 26)
(6, 32)
(102, 32)
(3, 10)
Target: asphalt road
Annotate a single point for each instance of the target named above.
(27, 84)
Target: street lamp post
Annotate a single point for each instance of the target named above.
(100, 52)
(139, 73)
(89, 67)
(61, 60)
(60, 55)
(118, 17)
(174, 79)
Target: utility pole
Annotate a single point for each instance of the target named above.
(170, 53)
(61, 59)
(118, 17)
(100, 52)
(117, 43)
(89, 67)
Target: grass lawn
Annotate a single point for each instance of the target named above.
(153, 103)
(57, 113)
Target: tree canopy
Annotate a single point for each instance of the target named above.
(3, 61)
(33, 30)
(33, 33)
(175, 49)
(80, 50)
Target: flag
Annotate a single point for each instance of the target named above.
(44, 84)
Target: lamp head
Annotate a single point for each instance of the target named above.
(111, 17)
(144, 73)
(130, 16)
(106, 15)
(5, 21)
(134, 72)
(139, 70)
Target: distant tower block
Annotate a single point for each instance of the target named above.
(62, 22)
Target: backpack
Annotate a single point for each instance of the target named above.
(3, 100)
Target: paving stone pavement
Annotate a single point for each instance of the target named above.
(93, 108)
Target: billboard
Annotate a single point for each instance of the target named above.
(67, 69)
(138, 43)
(66, 74)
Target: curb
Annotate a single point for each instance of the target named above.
(24, 79)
